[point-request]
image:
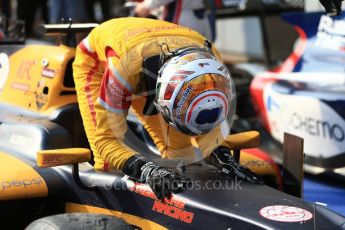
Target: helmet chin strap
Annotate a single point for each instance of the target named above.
(164, 56)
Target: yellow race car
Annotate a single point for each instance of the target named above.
(45, 164)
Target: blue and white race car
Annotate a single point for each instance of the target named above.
(305, 96)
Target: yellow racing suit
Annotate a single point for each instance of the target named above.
(108, 76)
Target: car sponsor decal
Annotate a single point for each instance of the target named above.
(317, 127)
(20, 140)
(4, 69)
(20, 86)
(46, 72)
(185, 95)
(114, 96)
(325, 46)
(305, 115)
(19, 180)
(49, 158)
(261, 163)
(331, 34)
(138, 31)
(24, 70)
(284, 213)
(41, 94)
(173, 208)
(26, 183)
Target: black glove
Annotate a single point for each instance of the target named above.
(163, 182)
(332, 7)
(228, 167)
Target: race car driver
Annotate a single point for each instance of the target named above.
(193, 93)
(332, 7)
(195, 14)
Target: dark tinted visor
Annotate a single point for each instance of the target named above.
(208, 116)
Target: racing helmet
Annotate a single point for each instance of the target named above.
(194, 90)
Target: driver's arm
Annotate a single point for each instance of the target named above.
(111, 108)
(111, 111)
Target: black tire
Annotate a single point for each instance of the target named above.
(76, 221)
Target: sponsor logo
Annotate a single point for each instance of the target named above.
(182, 101)
(25, 68)
(20, 140)
(115, 95)
(318, 128)
(50, 73)
(173, 212)
(257, 164)
(173, 208)
(272, 105)
(137, 31)
(48, 160)
(19, 86)
(202, 65)
(27, 183)
(41, 100)
(331, 33)
(284, 213)
(172, 27)
(115, 89)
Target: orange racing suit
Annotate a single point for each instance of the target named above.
(108, 76)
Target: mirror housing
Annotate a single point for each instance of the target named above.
(56, 157)
(243, 140)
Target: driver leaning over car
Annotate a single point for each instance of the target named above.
(194, 93)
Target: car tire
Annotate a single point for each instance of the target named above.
(76, 221)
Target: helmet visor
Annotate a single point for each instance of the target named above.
(208, 116)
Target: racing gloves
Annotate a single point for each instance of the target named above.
(162, 181)
(333, 7)
(229, 168)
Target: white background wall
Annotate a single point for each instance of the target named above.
(239, 35)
